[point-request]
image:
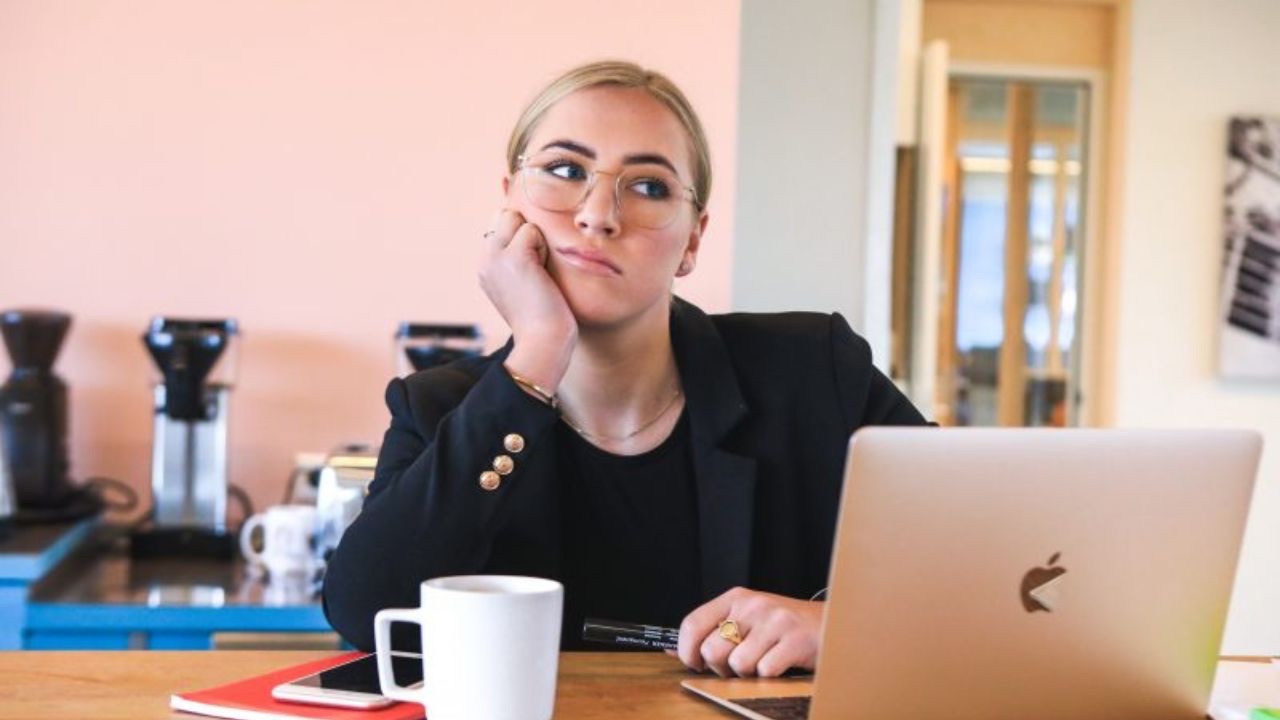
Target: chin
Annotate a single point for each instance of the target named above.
(597, 310)
(598, 313)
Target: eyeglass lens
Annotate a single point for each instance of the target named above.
(646, 196)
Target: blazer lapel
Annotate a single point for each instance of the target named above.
(725, 481)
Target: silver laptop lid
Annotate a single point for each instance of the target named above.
(1032, 573)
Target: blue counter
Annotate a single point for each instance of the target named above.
(25, 557)
(97, 598)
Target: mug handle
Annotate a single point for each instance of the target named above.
(246, 545)
(382, 647)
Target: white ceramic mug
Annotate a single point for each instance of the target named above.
(490, 647)
(288, 540)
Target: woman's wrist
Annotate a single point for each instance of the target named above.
(542, 363)
(532, 388)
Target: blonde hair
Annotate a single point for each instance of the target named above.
(617, 73)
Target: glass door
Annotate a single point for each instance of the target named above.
(1009, 315)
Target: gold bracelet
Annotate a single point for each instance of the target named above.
(541, 392)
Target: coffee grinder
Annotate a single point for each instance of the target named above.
(196, 362)
(33, 420)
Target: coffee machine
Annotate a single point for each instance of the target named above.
(422, 345)
(33, 420)
(195, 360)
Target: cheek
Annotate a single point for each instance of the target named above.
(548, 222)
(663, 251)
(517, 200)
(674, 240)
(515, 197)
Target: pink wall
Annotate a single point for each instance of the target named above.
(318, 170)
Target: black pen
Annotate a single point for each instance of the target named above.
(616, 632)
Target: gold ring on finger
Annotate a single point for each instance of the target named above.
(730, 631)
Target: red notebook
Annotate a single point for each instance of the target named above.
(250, 699)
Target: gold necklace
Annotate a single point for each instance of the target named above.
(592, 436)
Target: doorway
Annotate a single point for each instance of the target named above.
(1012, 245)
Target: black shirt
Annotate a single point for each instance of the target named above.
(631, 534)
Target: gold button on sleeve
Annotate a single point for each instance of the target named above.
(490, 480)
(504, 464)
(514, 443)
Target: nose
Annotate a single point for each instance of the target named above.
(598, 214)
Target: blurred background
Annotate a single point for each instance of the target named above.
(1020, 203)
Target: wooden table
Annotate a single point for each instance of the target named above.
(135, 685)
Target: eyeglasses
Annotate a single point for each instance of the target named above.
(648, 197)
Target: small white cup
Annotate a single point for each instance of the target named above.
(490, 647)
(288, 537)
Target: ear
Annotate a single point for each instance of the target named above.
(506, 185)
(690, 258)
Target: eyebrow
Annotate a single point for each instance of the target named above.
(636, 159)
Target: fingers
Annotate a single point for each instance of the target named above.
(699, 625)
(528, 239)
(747, 616)
(787, 653)
(744, 659)
(504, 227)
(778, 633)
(715, 652)
(510, 229)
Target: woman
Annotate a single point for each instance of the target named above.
(656, 460)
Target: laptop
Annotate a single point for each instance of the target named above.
(1001, 573)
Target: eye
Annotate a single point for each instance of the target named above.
(650, 188)
(565, 170)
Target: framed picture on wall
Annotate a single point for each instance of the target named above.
(1250, 301)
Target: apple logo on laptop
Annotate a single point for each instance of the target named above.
(1040, 586)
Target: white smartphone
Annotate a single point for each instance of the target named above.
(352, 684)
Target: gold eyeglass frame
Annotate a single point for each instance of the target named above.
(523, 167)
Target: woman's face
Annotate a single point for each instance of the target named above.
(612, 266)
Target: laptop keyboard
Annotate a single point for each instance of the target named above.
(777, 708)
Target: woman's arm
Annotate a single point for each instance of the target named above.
(427, 514)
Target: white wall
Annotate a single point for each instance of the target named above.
(1194, 64)
(817, 118)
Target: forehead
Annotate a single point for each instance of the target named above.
(615, 122)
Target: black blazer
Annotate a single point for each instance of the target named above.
(772, 401)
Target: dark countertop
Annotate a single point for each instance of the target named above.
(32, 550)
(100, 584)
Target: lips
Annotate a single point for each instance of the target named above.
(589, 260)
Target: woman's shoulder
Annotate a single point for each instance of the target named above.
(441, 387)
(770, 343)
(803, 333)
(463, 371)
